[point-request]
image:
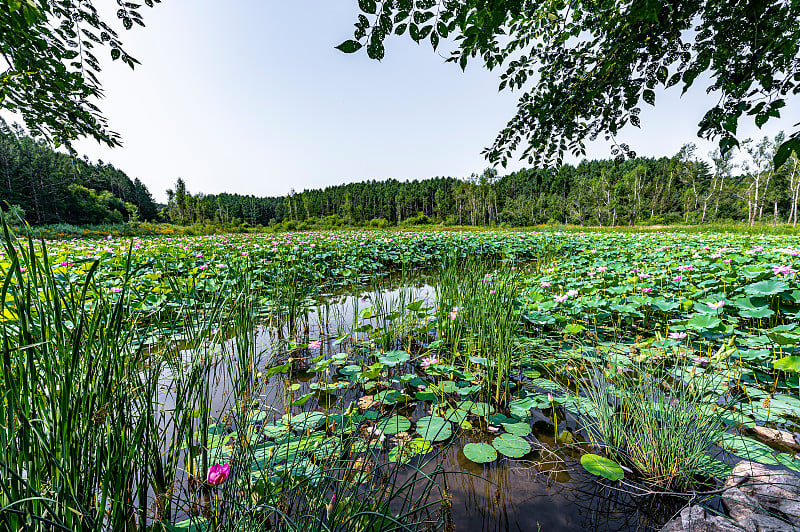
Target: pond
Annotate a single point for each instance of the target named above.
(324, 371)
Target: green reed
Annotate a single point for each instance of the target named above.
(73, 383)
(479, 319)
(660, 424)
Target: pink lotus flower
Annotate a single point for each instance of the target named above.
(602, 269)
(546, 284)
(560, 299)
(203, 267)
(647, 290)
(783, 269)
(677, 335)
(677, 278)
(429, 361)
(716, 305)
(315, 344)
(572, 293)
(217, 474)
(686, 267)
(116, 289)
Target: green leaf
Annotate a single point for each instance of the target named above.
(419, 446)
(511, 445)
(393, 358)
(602, 467)
(349, 47)
(703, 322)
(785, 150)
(788, 364)
(761, 312)
(518, 429)
(193, 524)
(393, 425)
(368, 6)
(434, 428)
(480, 453)
(770, 287)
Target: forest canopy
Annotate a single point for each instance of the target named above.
(51, 187)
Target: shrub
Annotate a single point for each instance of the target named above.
(379, 223)
(418, 219)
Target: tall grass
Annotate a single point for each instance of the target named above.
(479, 319)
(104, 426)
(645, 417)
(73, 391)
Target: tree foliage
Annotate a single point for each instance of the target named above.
(49, 187)
(666, 190)
(585, 67)
(51, 72)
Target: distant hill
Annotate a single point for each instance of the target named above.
(53, 187)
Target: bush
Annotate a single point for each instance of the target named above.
(418, 219)
(379, 223)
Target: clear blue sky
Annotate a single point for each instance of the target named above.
(251, 97)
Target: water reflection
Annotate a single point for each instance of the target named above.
(549, 491)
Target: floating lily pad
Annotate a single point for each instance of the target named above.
(480, 453)
(481, 409)
(193, 524)
(275, 430)
(419, 446)
(350, 370)
(393, 425)
(456, 415)
(305, 420)
(448, 387)
(511, 445)
(434, 428)
(393, 358)
(388, 397)
(518, 429)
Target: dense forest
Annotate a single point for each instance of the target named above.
(678, 189)
(50, 187)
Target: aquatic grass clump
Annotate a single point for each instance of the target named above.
(645, 417)
(479, 319)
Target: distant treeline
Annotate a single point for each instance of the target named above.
(50, 187)
(678, 189)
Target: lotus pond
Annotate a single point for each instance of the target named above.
(492, 380)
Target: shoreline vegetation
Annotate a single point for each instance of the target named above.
(145, 229)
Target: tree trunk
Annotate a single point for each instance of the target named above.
(775, 215)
